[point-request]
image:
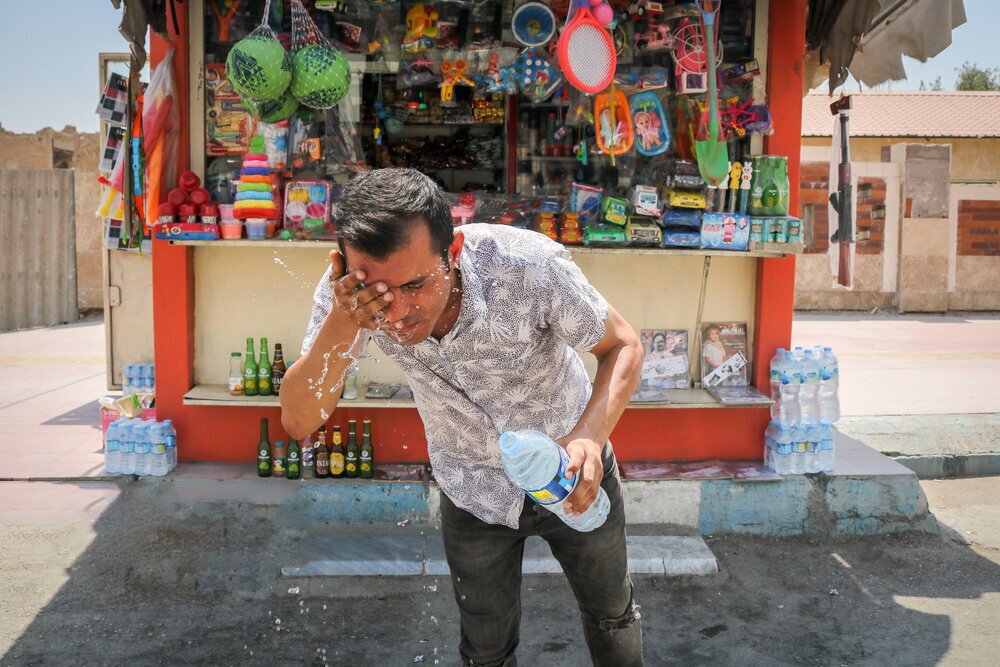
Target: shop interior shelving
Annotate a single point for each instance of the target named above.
(582, 250)
(218, 395)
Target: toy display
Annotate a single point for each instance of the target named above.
(652, 133)
(643, 231)
(188, 213)
(228, 125)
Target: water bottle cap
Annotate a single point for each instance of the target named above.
(781, 350)
(828, 349)
(509, 443)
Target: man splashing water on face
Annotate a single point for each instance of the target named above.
(485, 321)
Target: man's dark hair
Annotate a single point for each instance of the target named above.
(378, 208)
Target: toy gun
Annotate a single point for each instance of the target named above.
(842, 199)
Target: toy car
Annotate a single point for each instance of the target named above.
(643, 231)
(656, 38)
(643, 9)
(687, 199)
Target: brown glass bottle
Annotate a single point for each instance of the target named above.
(337, 460)
(321, 454)
(277, 369)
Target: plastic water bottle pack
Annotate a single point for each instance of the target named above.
(804, 387)
(537, 464)
(140, 447)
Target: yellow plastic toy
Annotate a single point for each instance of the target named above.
(453, 74)
(421, 28)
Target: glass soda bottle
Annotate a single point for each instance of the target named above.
(294, 460)
(249, 371)
(337, 460)
(367, 458)
(264, 451)
(351, 460)
(263, 371)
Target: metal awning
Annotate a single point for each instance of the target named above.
(868, 38)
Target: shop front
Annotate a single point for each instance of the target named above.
(473, 94)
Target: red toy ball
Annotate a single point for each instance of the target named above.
(189, 181)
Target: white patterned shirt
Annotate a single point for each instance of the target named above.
(507, 364)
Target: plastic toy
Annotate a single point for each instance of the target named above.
(681, 217)
(615, 210)
(614, 134)
(690, 58)
(604, 235)
(725, 231)
(546, 224)
(453, 74)
(657, 38)
(228, 127)
(646, 200)
(709, 144)
(254, 195)
(585, 200)
(643, 231)
(536, 77)
(741, 72)
(225, 20)
(322, 76)
(496, 78)
(307, 208)
(421, 29)
(570, 234)
(533, 24)
(681, 239)
(686, 199)
(642, 10)
(737, 118)
(652, 132)
(259, 67)
(586, 51)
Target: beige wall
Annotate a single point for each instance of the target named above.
(971, 159)
(36, 151)
(246, 291)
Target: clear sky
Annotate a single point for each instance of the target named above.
(49, 78)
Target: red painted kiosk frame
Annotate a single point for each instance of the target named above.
(209, 433)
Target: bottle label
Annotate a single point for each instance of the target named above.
(366, 466)
(775, 375)
(263, 466)
(279, 465)
(810, 378)
(249, 384)
(825, 374)
(264, 384)
(351, 466)
(236, 384)
(788, 377)
(556, 490)
(336, 464)
(159, 449)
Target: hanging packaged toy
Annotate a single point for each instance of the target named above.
(496, 71)
(421, 29)
(307, 209)
(321, 74)
(614, 131)
(536, 77)
(652, 134)
(454, 73)
(258, 66)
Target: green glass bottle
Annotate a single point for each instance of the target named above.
(249, 371)
(351, 461)
(367, 467)
(294, 465)
(264, 451)
(263, 371)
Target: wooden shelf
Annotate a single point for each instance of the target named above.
(218, 395)
(576, 250)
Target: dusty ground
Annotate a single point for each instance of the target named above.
(100, 574)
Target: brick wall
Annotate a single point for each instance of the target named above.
(870, 216)
(814, 190)
(978, 227)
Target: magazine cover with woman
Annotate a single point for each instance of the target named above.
(724, 354)
(664, 364)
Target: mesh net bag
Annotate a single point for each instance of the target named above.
(258, 66)
(320, 73)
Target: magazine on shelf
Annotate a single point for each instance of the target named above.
(724, 360)
(664, 364)
(739, 396)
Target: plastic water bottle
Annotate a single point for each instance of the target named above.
(782, 450)
(799, 353)
(170, 433)
(826, 458)
(813, 438)
(150, 379)
(800, 437)
(788, 402)
(829, 385)
(128, 376)
(776, 361)
(143, 457)
(809, 391)
(158, 450)
(126, 447)
(112, 450)
(537, 464)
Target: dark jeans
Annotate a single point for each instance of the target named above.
(485, 562)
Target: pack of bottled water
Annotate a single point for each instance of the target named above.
(138, 379)
(142, 447)
(804, 388)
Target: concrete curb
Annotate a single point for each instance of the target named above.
(938, 466)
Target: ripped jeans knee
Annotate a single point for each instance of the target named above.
(626, 620)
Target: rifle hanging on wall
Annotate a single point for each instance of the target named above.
(842, 200)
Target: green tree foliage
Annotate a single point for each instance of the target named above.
(973, 77)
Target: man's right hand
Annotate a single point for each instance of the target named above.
(363, 304)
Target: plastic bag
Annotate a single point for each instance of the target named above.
(320, 73)
(161, 132)
(345, 153)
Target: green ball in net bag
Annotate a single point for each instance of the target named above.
(273, 111)
(259, 68)
(321, 76)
